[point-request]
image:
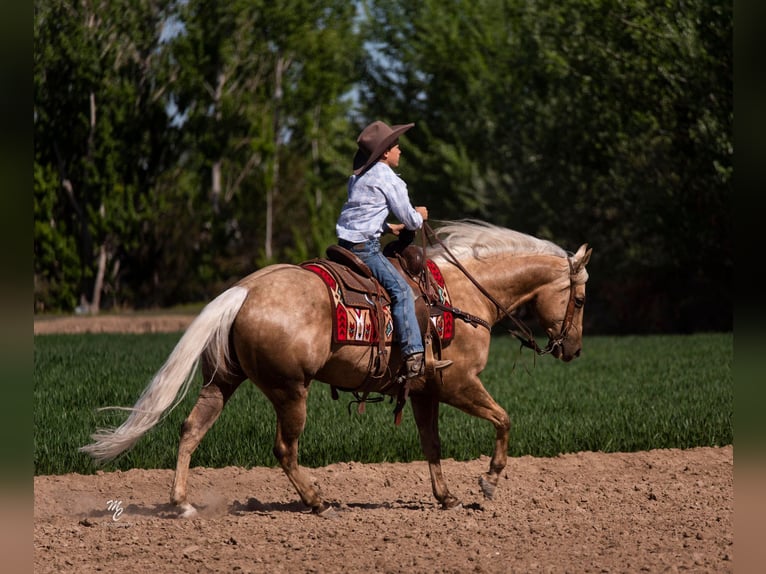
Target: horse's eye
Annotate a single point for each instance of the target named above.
(579, 302)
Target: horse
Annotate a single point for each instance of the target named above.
(249, 332)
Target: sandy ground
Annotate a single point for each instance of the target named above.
(657, 511)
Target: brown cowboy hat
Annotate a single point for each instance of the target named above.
(373, 141)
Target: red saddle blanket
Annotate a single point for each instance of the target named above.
(357, 324)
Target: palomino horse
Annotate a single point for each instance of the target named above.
(248, 332)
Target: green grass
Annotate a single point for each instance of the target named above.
(623, 394)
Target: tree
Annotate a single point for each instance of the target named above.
(259, 90)
(179, 144)
(97, 100)
(604, 121)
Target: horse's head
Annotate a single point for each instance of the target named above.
(559, 308)
(555, 294)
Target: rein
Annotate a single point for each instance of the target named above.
(522, 332)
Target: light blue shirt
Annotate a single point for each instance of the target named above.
(372, 196)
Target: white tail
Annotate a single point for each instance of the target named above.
(209, 331)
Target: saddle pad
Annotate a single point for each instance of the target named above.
(443, 321)
(355, 324)
(351, 324)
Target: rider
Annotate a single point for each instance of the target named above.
(374, 191)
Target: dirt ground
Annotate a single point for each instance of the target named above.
(658, 511)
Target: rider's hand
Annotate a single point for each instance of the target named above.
(423, 211)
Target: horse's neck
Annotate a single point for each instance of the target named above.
(511, 280)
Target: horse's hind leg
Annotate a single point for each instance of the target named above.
(290, 406)
(425, 409)
(212, 398)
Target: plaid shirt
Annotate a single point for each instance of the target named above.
(372, 196)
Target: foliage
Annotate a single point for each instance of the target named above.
(55, 247)
(623, 394)
(179, 132)
(258, 90)
(181, 144)
(98, 100)
(601, 121)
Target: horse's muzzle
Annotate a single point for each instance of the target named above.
(558, 351)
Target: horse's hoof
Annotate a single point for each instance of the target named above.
(187, 510)
(452, 503)
(487, 488)
(324, 510)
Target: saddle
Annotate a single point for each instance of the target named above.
(362, 306)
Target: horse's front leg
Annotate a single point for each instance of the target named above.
(425, 408)
(476, 401)
(488, 481)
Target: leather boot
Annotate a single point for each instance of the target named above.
(413, 365)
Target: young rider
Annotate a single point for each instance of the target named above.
(375, 191)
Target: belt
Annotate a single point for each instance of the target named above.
(352, 246)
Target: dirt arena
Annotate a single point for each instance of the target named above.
(657, 511)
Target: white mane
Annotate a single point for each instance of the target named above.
(477, 239)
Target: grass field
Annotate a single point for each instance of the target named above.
(623, 394)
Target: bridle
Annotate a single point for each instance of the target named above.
(557, 341)
(522, 332)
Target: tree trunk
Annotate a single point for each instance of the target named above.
(273, 190)
(215, 182)
(215, 176)
(95, 305)
(315, 158)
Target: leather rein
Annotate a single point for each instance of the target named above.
(522, 332)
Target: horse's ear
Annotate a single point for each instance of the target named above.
(581, 258)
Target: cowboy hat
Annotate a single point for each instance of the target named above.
(373, 141)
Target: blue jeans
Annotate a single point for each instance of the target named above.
(406, 326)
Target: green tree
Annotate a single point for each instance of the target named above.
(259, 91)
(180, 144)
(604, 121)
(56, 260)
(97, 104)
